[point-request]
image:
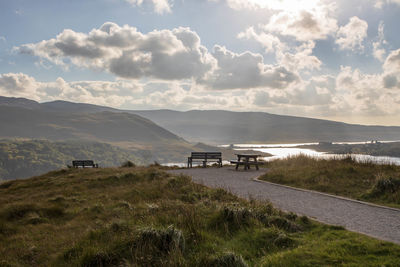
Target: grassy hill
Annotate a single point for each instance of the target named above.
(146, 217)
(103, 126)
(26, 158)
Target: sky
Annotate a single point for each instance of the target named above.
(337, 60)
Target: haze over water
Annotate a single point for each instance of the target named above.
(281, 151)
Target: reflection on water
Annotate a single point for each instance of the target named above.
(281, 151)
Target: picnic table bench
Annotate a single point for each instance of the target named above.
(84, 163)
(246, 162)
(205, 157)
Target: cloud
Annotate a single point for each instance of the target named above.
(247, 70)
(288, 5)
(160, 6)
(18, 85)
(3, 39)
(364, 94)
(351, 36)
(291, 57)
(391, 69)
(96, 92)
(165, 55)
(269, 41)
(378, 51)
(127, 53)
(303, 25)
(381, 3)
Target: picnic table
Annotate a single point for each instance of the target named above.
(246, 160)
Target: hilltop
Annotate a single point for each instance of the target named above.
(144, 216)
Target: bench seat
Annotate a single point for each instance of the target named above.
(247, 164)
(205, 157)
(84, 164)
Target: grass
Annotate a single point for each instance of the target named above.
(137, 216)
(365, 181)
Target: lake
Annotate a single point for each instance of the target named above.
(280, 151)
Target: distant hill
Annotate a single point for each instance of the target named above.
(208, 126)
(217, 126)
(102, 126)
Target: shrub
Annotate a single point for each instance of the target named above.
(236, 217)
(291, 216)
(283, 241)
(305, 220)
(164, 240)
(283, 223)
(96, 258)
(128, 164)
(17, 212)
(388, 185)
(229, 259)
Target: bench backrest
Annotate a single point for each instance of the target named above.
(82, 163)
(214, 155)
(206, 155)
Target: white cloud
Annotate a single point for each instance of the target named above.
(161, 55)
(378, 51)
(352, 35)
(300, 59)
(95, 92)
(18, 85)
(160, 6)
(291, 57)
(247, 70)
(391, 69)
(269, 41)
(288, 5)
(3, 39)
(125, 52)
(303, 25)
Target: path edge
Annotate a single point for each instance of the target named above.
(327, 195)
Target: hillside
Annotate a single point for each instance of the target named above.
(102, 126)
(22, 159)
(225, 127)
(146, 217)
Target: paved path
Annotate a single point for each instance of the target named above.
(380, 222)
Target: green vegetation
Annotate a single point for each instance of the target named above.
(375, 149)
(21, 159)
(132, 216)
(345, 177)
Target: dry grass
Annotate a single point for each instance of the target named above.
(145, 217)
(344, 177)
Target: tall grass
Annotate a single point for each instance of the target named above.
(343, 176)
(139, 216)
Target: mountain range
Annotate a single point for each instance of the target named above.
(63, 120)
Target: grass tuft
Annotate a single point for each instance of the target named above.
(228, 259)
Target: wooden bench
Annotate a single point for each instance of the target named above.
(205, 157)
(84, 164)
(246, 160)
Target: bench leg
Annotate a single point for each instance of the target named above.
(204, 164)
